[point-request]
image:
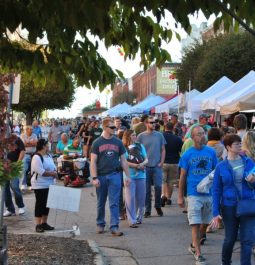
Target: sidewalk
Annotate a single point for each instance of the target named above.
(159, 240)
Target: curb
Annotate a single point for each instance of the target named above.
(99, 257)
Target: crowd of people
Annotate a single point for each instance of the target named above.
(130, 156)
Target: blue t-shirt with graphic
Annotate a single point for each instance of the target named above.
(198, 163)
(138, 173)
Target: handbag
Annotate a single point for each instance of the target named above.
(245, 208)
(205, 184)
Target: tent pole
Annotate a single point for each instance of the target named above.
(189, 107)
(178, 95)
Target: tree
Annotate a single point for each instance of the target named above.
(92, 107)
(125, 96)
(36, 98)
(66, 29)
(231, 55)
(191, 59)
(204, 63)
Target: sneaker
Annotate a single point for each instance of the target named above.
(45, 227)
(7, 213)
(138, 222)
(169, 202)
(147, 215)
(200, 260)
(39, 229)
(116, 233)
(163, 200)
(159, 212)
(100, 229)
(192, 250)
(21, 211)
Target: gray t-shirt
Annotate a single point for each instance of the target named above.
(153, 143)
(238, 168)
(108, 153)
(25, 138)
(55, 133)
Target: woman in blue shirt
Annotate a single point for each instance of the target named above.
(135, 192)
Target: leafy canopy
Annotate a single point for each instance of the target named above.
(205, 63)
(66, 26)
(34, 98)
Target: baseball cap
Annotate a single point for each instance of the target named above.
(204, 115)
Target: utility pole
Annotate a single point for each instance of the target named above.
(3, 228)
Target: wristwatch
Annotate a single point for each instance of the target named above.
(94, 178)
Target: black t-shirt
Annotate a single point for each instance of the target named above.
(79, 126)
(14, 155)
(108, 153)
(95, 133)
(173, 148)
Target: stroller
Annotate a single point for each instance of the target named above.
(75, 172)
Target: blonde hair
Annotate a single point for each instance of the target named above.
(249, 144)
(135, 120)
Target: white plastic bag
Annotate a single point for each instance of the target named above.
(206, 183)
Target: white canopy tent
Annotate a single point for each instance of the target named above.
(243, 99)
(212, 102)
(105, 113)
(119, 109)
(164, 107)
(211, 91)
(172, 104)
(148, 103)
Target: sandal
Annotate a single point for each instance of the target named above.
(202, 240)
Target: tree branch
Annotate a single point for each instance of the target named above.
(237, 18)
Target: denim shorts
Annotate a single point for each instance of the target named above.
(199, 209)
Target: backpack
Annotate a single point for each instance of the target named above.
(135, 153)
(29, 173)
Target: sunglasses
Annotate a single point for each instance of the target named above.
(111, 127)
(151, 122)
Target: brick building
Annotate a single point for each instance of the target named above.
(153, 80)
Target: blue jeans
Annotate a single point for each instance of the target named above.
(153, 177)
(14, 185)
(110, 185)
(232, 223)
(27, 164)
(134, 200)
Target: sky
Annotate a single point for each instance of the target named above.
(84, 96)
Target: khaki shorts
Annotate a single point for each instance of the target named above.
(170, 173)
(199, 209)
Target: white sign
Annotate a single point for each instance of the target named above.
(16, 89)
(64, 198)
(187, 117)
